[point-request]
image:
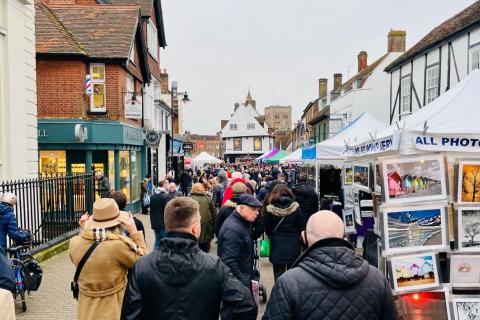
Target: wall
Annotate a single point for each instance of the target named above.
(247, 146)
(18, 102)
(241, 117)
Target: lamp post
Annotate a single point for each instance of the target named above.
(174, 96)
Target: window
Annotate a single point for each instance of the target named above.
(97, 99)
(53, 162)
(432, 83)
(324, 131)
(257, 144)
(125, 173)
(132, 53)
(135, 157)
(475, 57)
(405, 87)
(237, 144)
(130, 85)
(277, 116)
(233, 126)
(285, 116)
(251, 126)
(152, 39)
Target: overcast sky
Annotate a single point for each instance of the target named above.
(217, 49)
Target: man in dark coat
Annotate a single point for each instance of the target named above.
(229, 207)
(235, 239)
(306, 196)
(186, 182)
(329, 281)
(158, 202)
(179, 281)
(103, 188)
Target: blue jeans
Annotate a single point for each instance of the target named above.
(159, 235)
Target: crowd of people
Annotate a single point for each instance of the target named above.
(317, 273)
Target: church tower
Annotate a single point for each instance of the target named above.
(250, 101)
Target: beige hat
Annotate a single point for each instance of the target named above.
(239, 188)
(105, 214)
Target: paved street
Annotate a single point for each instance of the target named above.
(54, 300)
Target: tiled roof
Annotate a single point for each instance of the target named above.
(103, 31)
(145, 5)
(451, 27)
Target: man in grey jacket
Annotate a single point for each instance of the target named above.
(329, 281)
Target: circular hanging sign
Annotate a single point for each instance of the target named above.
(152, 137)
(80, 133)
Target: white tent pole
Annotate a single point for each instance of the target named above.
(317, 174)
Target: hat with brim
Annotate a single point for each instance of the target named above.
(106, 214)
(248, 200)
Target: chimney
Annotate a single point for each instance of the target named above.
(164, 81)
(322, 87)
(337, 81)
(396, 40)
(362, 60)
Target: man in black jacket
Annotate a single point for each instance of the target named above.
(329, 281)
(306, 196)
(235, 239)
(179, 281)
(158, 202)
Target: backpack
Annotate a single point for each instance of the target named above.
(32, 274)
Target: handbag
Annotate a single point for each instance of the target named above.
(74, 283)
(265, 243)
(146, 200)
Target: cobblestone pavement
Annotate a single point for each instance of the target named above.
(54, 300)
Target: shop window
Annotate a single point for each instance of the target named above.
(405, 92)
(111, 169)
(237, 144)
(433, 80)
(97, 99)
(124, 157)
(53, 162)
(78, 168)
(475, 57)
(135, 172)
(257, 144)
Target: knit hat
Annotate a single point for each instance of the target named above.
(239, 188)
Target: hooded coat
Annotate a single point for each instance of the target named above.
(179, 281)
(208, 213)
(284, 223)
(8, 226)
(330, 282)
(307, 198)
(103, 279)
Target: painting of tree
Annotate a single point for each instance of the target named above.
(468, 310)
(471, 227)
(471, 183)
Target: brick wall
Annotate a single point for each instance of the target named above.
(61, 92)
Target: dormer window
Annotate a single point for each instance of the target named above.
(233, 126)
(152, 39)
(251, 126)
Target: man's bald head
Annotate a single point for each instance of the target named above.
(324, 224)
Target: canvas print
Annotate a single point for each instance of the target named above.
(413, 229)
(356, 208)
(361, 176)
(422, 305)
(465, 271)
(414, 179)
(466, 308)
(348, 174)
(415, 272)
(468, 223)
(469, 182)
(348, 219)
(348, 195)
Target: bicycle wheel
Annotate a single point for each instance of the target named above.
(24, 302)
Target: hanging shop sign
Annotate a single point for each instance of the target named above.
(80, 132)
(446, 143)
(133, 106)
(152, 138)
(390, 143)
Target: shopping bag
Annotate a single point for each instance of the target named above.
(264, 247)
(146, 200)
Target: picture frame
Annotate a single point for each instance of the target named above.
(423, 305)
(465, 271)
(356, 207)
(377, 187)
(414, 179)
(415, 272)
(468, 229)
(410, 229)
(466, 308)
(361, 176)
(349, 220)
(348, 197)
(468, 182)
(347, 174)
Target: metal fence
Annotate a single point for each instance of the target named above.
(51, 205)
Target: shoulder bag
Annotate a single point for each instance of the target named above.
(265, 243)
(74, 283)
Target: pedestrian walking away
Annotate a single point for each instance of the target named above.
(207, 212)
(330, 281)
(179, 281)
(306, 196)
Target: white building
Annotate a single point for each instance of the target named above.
(18, 100)
(435, 64)
(246, 133)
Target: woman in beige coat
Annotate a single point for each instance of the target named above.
(103, 279)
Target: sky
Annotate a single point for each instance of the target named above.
(218, 49)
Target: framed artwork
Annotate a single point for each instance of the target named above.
(414, 179)
(348, 196)
(348, 220)
(418, 228)
(468, 229)
(414, 272)
(356, 208)
(468, 187)
(361, 176)
(378, 179)
(466, 308)
(423, 305)
(465, 271)
(348, 174)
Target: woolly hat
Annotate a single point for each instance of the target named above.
(239, 188)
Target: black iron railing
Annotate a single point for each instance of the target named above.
(51, 205)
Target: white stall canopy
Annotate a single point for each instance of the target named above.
(294, 157)
(204, 158)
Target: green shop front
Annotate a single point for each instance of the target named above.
(114, 148)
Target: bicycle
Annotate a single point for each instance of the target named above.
(19, 256)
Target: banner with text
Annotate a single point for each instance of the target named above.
(446, 143)
(390, 143)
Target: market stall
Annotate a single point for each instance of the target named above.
(277, 157)
(202, 159)
(268, 154)
(294, 157)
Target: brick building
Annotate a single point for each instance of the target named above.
(104, 129)
(279, 118)
(212, 144)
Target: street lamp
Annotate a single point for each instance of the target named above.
(185, 99)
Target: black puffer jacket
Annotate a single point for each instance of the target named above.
(158, 202)
(331, 282)
(179, 281)
(285, 241)
(307, 198)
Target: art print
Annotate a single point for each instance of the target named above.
(423, 305)
(348, 174)
(348, 219)
(465, 271)
(414, 179)
(466, 308)
(361, 176)
(468, 227)
(415, 272)
(413, 229)
(468, 182)
(348, 196)
(356, 208)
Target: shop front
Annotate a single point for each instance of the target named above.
(116, 149)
